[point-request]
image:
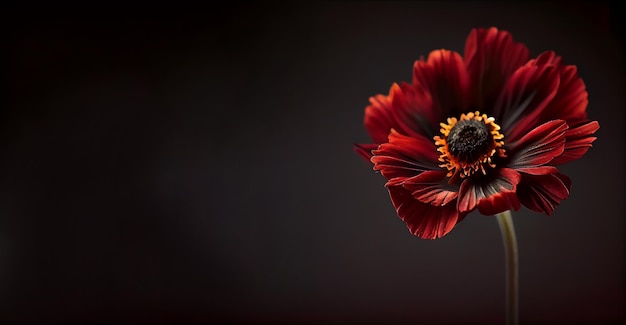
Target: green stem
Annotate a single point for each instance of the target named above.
(510, 253)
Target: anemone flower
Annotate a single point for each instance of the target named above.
(484, 131)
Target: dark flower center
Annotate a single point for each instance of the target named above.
(469, 140)
(468, 144)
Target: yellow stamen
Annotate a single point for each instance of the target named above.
(473, 144)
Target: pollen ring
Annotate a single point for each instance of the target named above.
(468, 144)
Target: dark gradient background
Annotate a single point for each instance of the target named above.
(195, 164)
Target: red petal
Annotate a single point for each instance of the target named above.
(423, 220)
(404, 157)
(378, 118)
(365, 150)
(431, 187)
(526, 94)
(399, 111)
(492, 194)
(578, 140)
(538, 170)
(444, 79)
(491, 56)
(538, 147)
(547, 57)
(570, 101)
(542, 193)
(412, 110)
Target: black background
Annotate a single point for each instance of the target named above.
(195, 164)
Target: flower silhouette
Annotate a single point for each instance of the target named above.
(483, 131)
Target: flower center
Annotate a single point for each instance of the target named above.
(468, 144)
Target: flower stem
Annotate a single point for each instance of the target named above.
(510, 253)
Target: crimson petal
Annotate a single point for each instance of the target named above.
(444, 78)
(524, 97)
(491, 56)
(547, 57)
(431, 187)
(423, 220)
(398, 111)
(538, 147)
(365, 150)
(412, 110)
(378, 118)
(492, 194)
(403, 157)
(542, 193)
(570, 101)
(578, 140)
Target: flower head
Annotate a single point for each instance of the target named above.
(484, 131)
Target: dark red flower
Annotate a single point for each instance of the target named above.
(483, 131)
